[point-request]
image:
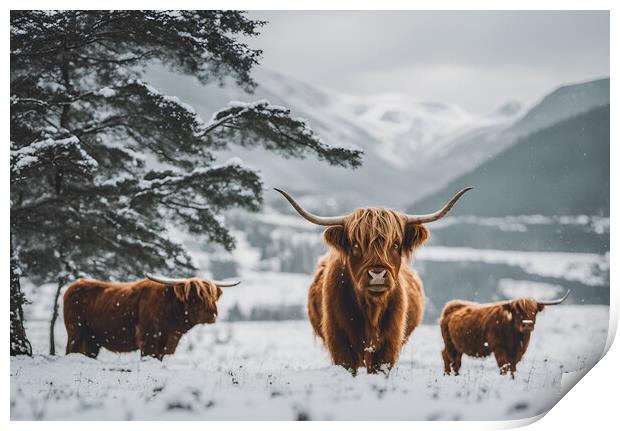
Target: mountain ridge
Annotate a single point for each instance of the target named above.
(528, 178)
(412, 148)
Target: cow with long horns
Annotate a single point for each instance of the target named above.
(150, 315)
(502, 328)
(365, 299)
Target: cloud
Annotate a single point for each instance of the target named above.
(498, 54)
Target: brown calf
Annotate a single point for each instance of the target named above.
(503, 328)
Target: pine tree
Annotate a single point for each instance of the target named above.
(104, 167)
(19, 342)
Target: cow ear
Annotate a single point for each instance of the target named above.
(415, 236)
(336, 237)
(507, 309)
(219, 293)
(540, 307)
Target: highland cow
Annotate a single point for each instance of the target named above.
(365, 299)
(502, 328)
(150, 315)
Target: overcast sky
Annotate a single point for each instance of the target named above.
(478, 60)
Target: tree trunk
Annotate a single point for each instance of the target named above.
(61, 282)
(64, 123)
(19, 341)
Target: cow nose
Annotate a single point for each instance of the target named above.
(377, 276)
(374, 273)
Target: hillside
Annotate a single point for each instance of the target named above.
(470, 149)
(560, 170)
(566, 101)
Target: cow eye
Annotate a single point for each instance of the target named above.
(356, 246)
(396, 245)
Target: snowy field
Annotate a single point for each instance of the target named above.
(278, 370)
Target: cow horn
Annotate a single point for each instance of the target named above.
(321, 221)
(427, 218)
(172, 281)
(226, 284)
(165, 280)
(555, 301)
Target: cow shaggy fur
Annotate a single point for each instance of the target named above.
(145, 315)
(361, 328)
(478, 330)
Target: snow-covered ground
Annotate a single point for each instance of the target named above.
(278, 370)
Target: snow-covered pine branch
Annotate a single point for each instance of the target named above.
(67, 152)
(272, 126)
(195, 198)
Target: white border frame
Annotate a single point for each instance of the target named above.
(592, 403)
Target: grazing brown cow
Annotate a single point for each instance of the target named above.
(150, 315)
(365, 299)
(502, 328)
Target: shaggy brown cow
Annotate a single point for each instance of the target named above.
(503, 328)
(150, 315)
(365, 299)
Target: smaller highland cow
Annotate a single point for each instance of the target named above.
(149, 315)
(503, 328)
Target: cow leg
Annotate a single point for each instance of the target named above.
(513, 368)
(345, 357)
(150, 342)
(447, 362)
(74, 341)
(342, 352)
(140, 335)
(172, 341)
(72, 345)
(385, 359)
(89, 347)
(374, 365)
(81, 342)
(503, 362)
(152, 347)
(149, 349)
(449, 353)
(456, 364)
(372, 361)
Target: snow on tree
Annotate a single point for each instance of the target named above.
(103, 165)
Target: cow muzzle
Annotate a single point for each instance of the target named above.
(378, 281)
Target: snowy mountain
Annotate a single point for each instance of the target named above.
(404, 132)
(412, 147)
(559, 170)
(467, 151)
(400, 136)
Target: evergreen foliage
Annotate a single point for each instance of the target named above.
(104, 166)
